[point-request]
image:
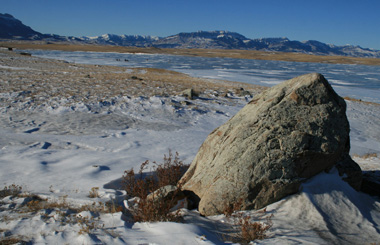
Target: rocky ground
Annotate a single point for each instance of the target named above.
(30, 86)
(99, 118)
(40, 81)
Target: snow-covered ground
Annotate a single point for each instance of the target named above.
(62, 152)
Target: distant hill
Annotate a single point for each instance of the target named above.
(121, 40)
(12, 28)
(232, 40)
(203, 39)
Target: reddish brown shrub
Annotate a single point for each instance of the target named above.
(250, 231)
(141, 185)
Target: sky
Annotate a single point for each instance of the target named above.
(334, 21)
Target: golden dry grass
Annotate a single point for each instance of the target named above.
(25, 205)
(43, 79)
(366, 155)
(222, 53)
(361, 101)
(46, 78)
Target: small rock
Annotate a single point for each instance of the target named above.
(189, 93)
(26, 54)
(168, 192)
(136, 78)
(244, 93)
(185, 102)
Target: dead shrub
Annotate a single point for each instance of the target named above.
(230, 208)
(247, 230)
(250, 231)
(11, 190)
(141, 185)
(171, 171)
(151, 210)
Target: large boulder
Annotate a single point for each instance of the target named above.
(282, 137)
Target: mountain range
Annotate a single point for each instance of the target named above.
(14, 29)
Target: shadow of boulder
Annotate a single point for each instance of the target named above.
(371, 183)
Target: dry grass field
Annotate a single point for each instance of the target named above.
(222, 53)
(43, 79)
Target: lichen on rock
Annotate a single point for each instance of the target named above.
(285, 135)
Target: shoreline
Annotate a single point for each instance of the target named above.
(39, 79)
(132, 82)
(210, 53)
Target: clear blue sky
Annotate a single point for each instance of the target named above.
(339, 22)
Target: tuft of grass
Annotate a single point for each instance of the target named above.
(366, 156)
(88, 224)
(155, 208)
(59, 210)
(12, 240)
(361, 101)
(94, 192)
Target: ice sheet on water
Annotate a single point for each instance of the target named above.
(348, 80)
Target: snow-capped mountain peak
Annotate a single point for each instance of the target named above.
(12, 28)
